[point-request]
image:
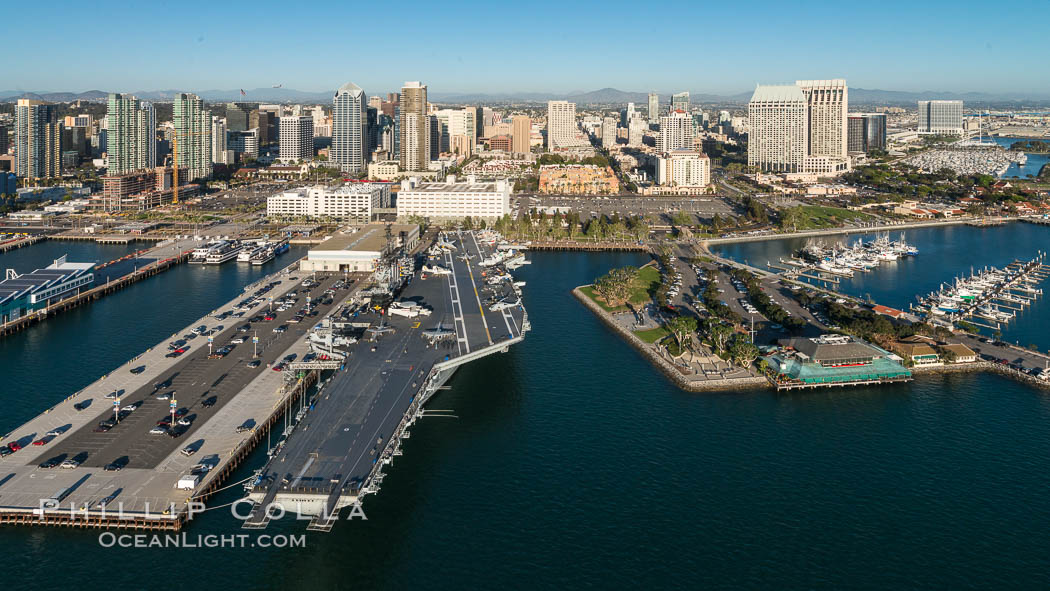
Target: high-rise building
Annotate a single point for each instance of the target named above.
(680, 101)
(297, 138)
(131, 138)
(941, 117)
(654, 107)
(827, 102)
(238, 116)
(683, 168)
(636, 132)
(244, 144)
(609, 132)
(462, 131)
(219, 153)
(3, 139)
(875, 131)
(855, 134)
(415, 141)
(676, 132)
(375, 102)
(38, 140)
(266, 123)
(561, 124)
(193, 137)
(348, 129)
(370, 140)
(415, 127)
(867, 132)
(521, 130)
(779, 128)
(800, 128)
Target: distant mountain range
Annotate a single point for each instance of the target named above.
(603, 96)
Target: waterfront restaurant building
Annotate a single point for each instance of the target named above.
(833, 360)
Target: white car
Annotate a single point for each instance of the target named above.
(130, 408)
(237, 340)
(70, 463)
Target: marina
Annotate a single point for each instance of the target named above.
(987, 298)
(821, 262)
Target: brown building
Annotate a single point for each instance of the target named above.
(138, 190)
(501, 142)
(522, 131)
(578, 179)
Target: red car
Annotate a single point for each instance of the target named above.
(44, 440)
(278, 367)
(14, 446)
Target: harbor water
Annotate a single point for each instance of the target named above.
(573, 462)
(1032, 167)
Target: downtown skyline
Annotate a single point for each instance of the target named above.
(732, 49)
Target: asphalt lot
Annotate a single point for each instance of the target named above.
(194, 379)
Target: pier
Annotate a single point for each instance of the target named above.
(20, 242)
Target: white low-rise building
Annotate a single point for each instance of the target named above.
(683, 168)
(352, 201)
(361, 250)
(454, 199)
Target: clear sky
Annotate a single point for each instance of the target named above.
(541, 46)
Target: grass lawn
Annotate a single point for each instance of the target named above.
(589, 292)
(642, 290)
(645, 285)
(652, 335)
(819, 216)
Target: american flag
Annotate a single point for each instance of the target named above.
(242, 92)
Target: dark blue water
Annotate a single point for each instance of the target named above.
(574, 463)
(945, 252)
(1032, 167)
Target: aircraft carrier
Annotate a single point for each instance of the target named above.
(461, 305)
(94, 459)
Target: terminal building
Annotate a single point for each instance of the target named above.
(454, 200)
(24, 294)
(356, 201)
(360, 251)
(832, 360)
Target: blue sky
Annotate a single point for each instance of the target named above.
(542, 46)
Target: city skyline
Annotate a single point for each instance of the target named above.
(733, 51)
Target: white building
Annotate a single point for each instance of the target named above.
(454, 200)
(348, 128)
(799, 128)
(636, 128)
(779, 128)
(676, 132)
(683, 168)
(219, 146)
(941, 117)
(561, 125)
(361, 250)
(654, 107)
(827, 102)
(296, 138)
(352, 201)
(608, 132)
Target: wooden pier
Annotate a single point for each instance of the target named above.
(13, 244)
